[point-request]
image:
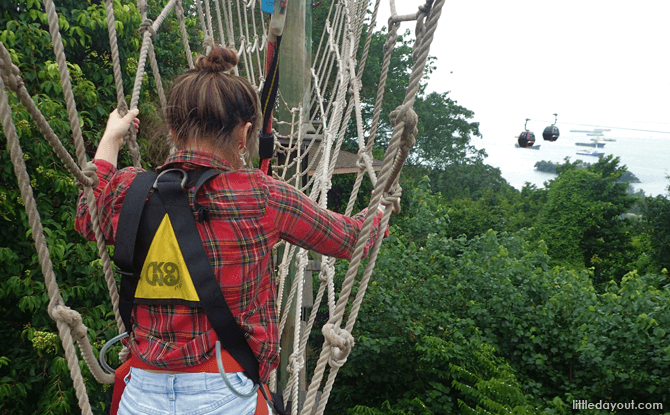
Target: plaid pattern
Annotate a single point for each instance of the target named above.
(249, 213)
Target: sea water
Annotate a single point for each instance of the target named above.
(647, 157)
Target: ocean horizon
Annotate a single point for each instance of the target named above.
(648, 158)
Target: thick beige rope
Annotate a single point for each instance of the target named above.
(337, 341)
(12, 79)
(55, 298)
(222, 34)
(184, 35)
(122, 105)
(64, 330)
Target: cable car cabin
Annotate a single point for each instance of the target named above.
(526, 139)
(551, 133)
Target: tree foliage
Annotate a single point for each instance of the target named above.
(34, 377)
(486, 324)
(656, 222)
(550, 167)
(581, 222)
(445, 134)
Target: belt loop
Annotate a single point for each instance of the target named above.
(170, 385)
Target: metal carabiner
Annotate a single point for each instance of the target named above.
(103, 351)
(183, 180)
(222, 371)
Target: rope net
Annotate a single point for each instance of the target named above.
(317, 125)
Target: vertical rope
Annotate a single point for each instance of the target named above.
(116, 63)
(217, 5)
(73, 116)
(208, 19)
(42, 249)
(203, 24)
(157, 79)
(184, 34)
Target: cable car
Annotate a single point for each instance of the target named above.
(526, 138)
(551, 133)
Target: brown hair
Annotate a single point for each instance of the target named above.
(206, 103)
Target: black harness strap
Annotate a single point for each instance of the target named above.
(126, 237)
(173, 198)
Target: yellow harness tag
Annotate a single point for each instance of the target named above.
(164, 273)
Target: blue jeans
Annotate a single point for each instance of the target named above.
(148, 393)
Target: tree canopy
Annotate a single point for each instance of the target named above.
(581, 222)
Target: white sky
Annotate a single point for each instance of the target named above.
(593, 62)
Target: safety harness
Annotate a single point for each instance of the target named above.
(162, 260)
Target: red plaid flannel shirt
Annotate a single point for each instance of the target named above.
(249, 213)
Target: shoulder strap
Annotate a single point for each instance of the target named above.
(126, 236)
(129, 220)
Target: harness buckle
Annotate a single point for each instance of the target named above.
(183, 180)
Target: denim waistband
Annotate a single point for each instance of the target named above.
(187, 382)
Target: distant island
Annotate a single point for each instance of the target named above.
(550, 167)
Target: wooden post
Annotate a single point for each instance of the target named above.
(294, 84)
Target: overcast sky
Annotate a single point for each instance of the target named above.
(592, 62)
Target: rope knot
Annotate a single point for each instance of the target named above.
(364, 159)
(327, 271)
(89, 171)
(340, 342)
(71, 318)
(11, 74)
(392, 198)
(295, 363)
(425, 8)
(148, 24)
(407, 115)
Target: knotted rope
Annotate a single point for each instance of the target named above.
(338, 342)
(16, 155)
(402, 140)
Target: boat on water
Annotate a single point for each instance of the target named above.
(532, 147)
(597, 137)
(597, 144)
(593, 153)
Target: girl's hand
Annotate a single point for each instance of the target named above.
(112, 139)
(117, 126)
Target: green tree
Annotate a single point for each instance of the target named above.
(581, 222)
(526, 207)
(34, 377)
(445, 133)
(457, 324)
(465, 178)
(656, 223)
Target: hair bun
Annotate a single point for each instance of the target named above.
(218, 60)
